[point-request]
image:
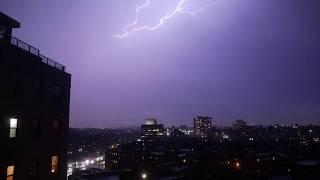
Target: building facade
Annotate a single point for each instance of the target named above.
(34, 110)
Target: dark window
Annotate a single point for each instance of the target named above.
(35, 128)
(2, 32)
(33, 172)
(38, 87)
(55, 124)
(35, 124)
(17, 86)
(37, 84)
(57, 91)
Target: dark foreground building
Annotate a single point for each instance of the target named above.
(34, 110)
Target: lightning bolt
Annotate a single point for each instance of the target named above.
(133, 27)
(146, 4)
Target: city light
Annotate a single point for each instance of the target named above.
(144, 176)
(225, 136)
(69, 171)
(237, 165)
(97, 162)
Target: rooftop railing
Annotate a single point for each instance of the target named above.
(25, 46)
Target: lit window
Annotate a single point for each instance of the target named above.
(13, 127)
(10, 172)
(54, 164)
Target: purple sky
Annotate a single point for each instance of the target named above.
(258, 60)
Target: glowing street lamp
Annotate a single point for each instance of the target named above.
(237, 165)
(144, 176)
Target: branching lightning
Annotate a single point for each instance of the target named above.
(179, 9)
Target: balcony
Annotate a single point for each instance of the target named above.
(25, 46)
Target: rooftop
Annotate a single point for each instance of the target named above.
(25, 46)
(6, 25)
(8, 21)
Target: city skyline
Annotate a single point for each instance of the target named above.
(256, 61)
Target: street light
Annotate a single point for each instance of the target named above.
(237, 165)
(144, 176)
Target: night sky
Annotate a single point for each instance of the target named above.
(258, 60)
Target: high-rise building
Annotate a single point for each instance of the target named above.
(202, 125)
(150, 128)
(34, 110)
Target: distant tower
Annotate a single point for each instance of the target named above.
(202, 125)
(34, 110)
(150, 128)
(150, 121)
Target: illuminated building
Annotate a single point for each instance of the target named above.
(202, 125)
(150, 121)
(97, 162)
(151, 129)
(34, 110)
